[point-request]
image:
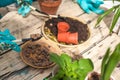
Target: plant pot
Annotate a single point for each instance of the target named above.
(67, 37)
(63, 27)
(49, 6)
(73, 38)
(63, 37)
(96, 76)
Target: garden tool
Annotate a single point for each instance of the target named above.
(7, 40)
(24, 8)
(33, 37)
(45, 14)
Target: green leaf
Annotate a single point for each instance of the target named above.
(67, 61)
(73, 70)
(58, 60)
(72, 74)
(113, 61)
(85, 65)
(104, 62)
(103, 15)
(59, 75)
(115, 0)
(75, 65)
(115, 18)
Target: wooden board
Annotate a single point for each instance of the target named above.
(20, 27)
(97, 52)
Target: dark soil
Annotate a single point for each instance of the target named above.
(75, 26)
(95, 76)
(36, 55)
(118, 66)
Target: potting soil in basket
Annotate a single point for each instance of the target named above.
(37, 55)
(51, 29)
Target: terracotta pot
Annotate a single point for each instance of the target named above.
(68, 37)
(63, 27)
(73, 38)
(62, 37)
(49, 6)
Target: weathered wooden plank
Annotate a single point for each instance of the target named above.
(19, 25)
(96, 53)
(43, 75)
(68, 7)
(10, 62)
(23, 27)
(29, 73)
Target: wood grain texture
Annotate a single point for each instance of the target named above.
(13, 68)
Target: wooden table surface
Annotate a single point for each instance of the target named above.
(13, 68)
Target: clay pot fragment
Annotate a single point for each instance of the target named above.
(49, 6)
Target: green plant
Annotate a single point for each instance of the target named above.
(109, 62)
(116, 16)
(71, 69)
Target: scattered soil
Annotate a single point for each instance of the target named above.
(118, 66)
(95, 76)
(37, 55)
(75, 26)
(76, 57)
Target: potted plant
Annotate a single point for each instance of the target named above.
(69, 69)
(109, 63)
(116, 16)
(49, 6)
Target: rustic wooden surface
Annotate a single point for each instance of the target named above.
(13, 68)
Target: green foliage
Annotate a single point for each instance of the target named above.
(116, 16)
(71, 70)
(109, 62)
(115, 0)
